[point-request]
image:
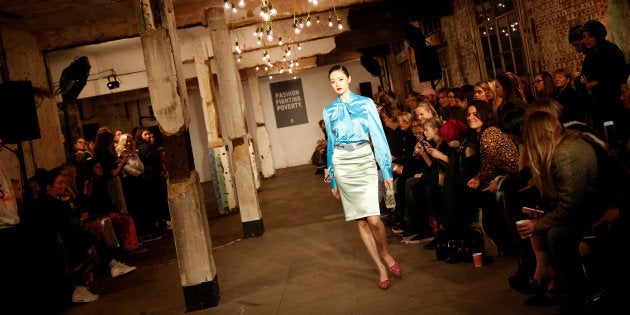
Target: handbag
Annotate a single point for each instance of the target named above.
(127, 229)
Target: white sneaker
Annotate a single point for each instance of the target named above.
(118, 269)
(83, 295)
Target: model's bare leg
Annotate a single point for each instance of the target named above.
(370, 244)
(378, 231)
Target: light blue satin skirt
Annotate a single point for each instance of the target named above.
(357, 181)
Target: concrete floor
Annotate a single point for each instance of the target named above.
(309, 261)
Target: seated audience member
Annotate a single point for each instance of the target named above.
(405, 217)
(544, 86)
(81, 153)
(462, 98)
(97, 204)
(464, 163)
(319, 157)
(426, 192)
(55, 243)
(443, 103)
(411, 102)
(509, 89)
(425, 111)
(499, 156)
(564, 168)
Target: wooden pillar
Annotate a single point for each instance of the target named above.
(232, 115)
(167, 89)
(221, 170)
(263, 145)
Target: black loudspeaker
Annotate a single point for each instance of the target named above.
(428, 63)
(18, 121)
(371, 65)
(366, 89)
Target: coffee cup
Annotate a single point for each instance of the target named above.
(477, 259)
(522, 223)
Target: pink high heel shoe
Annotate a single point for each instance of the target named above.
(384, 284)
(395, 269)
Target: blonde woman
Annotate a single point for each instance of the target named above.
(564, 168)
(424, 112)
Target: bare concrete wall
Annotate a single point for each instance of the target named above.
(25, 62)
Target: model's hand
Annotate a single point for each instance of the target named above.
(335, 193)
(390, 182)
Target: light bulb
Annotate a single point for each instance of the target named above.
(280, 41)
(226, 4)
(339, 25)
(241, 3)
(308, 21)
(299, 47)
(318, 20)
(330, 24)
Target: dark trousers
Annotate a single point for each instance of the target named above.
(12, 265)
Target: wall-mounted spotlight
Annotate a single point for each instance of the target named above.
(112, 81)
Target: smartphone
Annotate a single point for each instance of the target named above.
(426, 144)
(533, 213)
(609, 133)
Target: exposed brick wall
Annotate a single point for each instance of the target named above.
(551, 21)
(548, 22)
(457, 32)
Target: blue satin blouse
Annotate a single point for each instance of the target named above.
(354, 121)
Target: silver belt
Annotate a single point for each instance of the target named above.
(350, 146)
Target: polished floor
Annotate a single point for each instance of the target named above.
(309, 261)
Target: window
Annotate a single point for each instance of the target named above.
(501, 43)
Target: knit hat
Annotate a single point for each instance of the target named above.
(427, 92)
(453, 129)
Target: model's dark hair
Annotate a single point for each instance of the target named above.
(339, 68)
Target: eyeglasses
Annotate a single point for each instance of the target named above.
(538, 81)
